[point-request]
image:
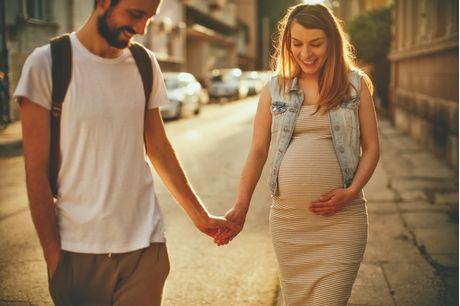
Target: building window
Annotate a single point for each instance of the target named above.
(36, 9)
(452, 24)
(242, 38)
(407, 24)
(440, 22)
(423, 21)
(165, 38)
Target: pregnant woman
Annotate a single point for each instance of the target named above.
(318, 118)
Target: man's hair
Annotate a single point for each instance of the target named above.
(112, 3)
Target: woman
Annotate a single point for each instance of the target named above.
(318, 116)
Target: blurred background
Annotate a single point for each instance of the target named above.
(409, 47)
(215, 55)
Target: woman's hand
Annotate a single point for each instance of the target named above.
(332, 202)
(212, 225)
(237, 216)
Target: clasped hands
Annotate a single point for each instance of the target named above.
(327, 205)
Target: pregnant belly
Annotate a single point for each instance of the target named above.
(308, 170)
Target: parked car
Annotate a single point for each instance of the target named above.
(185, 95)
(254, 82)
(227, 83)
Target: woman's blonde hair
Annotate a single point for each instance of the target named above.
(334, 84)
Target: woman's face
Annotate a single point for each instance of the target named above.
(309, 48)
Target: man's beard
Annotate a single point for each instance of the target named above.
(112, 34)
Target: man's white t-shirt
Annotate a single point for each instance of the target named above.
(106, 200)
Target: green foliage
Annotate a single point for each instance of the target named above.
(276, 10)
(371, 35)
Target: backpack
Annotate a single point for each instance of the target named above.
(61, 71)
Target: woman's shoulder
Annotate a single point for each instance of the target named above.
(274, 85)
(280, 85)
(356, 74)
(359, 79)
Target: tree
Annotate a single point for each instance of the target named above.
(370, 33)
(274, 10)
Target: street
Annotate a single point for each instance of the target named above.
(224, 51)
(408, 193)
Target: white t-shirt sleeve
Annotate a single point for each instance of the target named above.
(35, 80)
(158, 96)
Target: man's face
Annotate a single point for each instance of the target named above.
(119, 23)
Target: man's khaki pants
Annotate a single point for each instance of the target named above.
(135, 278)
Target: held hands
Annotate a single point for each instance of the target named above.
(212, 225)
(332, 202)
(238, 217)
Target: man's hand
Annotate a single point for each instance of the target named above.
(213, 225)
(332, 202)
(238, 217)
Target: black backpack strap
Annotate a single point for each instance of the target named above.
(61, 71)
(144, 64)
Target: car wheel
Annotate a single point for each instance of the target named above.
(197, 110)
(178, 111)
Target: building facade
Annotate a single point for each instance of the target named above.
(424, 74)
(246, 11)
(346, 10)
(166, 36)
(31, 23)
(211, 36)
(187, 35)
(200, 35)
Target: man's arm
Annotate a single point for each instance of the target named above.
(166, 163)
(36, 142)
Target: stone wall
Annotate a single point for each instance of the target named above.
(424, 77)
(432, 121)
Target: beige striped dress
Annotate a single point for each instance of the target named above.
(318, 256)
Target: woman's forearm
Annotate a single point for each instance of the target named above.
(258, 153)
(249, 177)
(366, 167)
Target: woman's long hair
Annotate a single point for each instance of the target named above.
(334, 84)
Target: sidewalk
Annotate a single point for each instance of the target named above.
(412, 254)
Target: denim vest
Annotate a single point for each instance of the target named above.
(344, 125)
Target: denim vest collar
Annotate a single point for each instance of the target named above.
(295, 85)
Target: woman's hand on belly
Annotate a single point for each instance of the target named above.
(332, 202)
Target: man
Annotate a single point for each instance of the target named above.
(103, 238)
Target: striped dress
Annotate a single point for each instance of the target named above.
(318, 256)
